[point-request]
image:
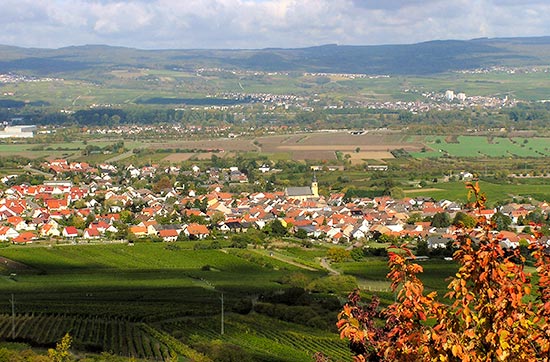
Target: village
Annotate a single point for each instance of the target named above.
(100, 210)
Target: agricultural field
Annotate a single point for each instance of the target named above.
(43, 148)
(482, 146)
(300, 146)
(150, 299)
(373, 146)
(456, 191)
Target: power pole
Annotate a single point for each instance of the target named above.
(12, 300)
(222, 331)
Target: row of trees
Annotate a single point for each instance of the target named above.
(523, 116)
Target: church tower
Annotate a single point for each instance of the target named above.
(314, 186)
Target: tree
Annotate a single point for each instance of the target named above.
(397, 193)
(422, 248)
(276, 228)
(464, 220)
(301, 234)
(61, 352)
(78, 222)
(414, 218)
(501, 221)
(441, 220)
(338, 255)
(162, 184)
(490, 315)
(126, 216)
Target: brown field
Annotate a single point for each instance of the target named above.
(48, 155)
(178, 157)
(317, 146)
(322, 155)
(226, 144)
(302, 146)
(360, 157)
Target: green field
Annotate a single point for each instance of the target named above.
(456, 191)
(479, 146)
(41, 147)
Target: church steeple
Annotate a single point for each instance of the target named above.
(314, 186)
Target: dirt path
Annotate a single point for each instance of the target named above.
(325, 264)
(418, 191)
(286, 260)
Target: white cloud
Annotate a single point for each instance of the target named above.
(263, 23)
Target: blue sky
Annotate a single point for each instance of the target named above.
(164, 24)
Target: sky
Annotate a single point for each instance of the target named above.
(253, 24)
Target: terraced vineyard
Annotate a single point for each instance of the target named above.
(268, 340)
(89, 334)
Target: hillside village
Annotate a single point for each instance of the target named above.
(99, 210)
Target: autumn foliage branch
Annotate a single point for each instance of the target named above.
(494, 313)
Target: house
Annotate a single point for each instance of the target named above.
(91, 233)
(50, 230)
(139, 231)
(24, 238)
(358, 234)
(70, 232)
(196, 231)
(169, 234)
(438, 242)
(7, 233)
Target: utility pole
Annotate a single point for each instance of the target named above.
(12, 300)
(222, 331)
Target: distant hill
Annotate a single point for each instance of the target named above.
(423, 58)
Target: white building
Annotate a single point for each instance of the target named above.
(18, 132)
(450, 95)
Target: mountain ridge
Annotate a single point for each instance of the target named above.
(430, 57)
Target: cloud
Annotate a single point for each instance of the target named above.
(263, 23)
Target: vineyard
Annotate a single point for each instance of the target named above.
(269, 340)
(89, 334)
(110, 298)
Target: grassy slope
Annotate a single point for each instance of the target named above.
(149, 282)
